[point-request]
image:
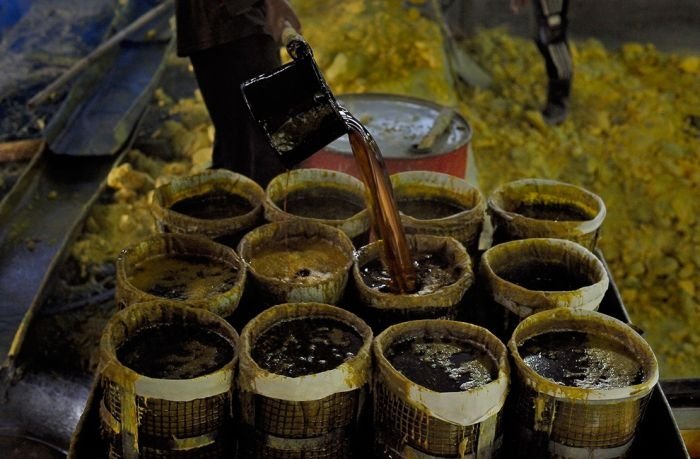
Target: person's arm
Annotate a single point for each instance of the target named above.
(278, 13)
(517, 5)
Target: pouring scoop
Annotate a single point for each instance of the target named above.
(293, 105)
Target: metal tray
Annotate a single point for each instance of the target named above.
(658, 434)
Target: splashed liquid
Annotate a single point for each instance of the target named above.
(432, 273)
(386, 220)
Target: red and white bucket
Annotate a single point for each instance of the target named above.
(397, 124)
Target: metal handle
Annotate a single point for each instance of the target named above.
(289, 34)
(440, 125)
(294, 42)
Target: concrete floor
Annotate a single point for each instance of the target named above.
(672, 25)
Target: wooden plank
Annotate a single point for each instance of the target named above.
(20, 150)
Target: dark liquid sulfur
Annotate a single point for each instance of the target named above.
(428, 208)
(175, 352)
(553, 211)
(432, 273)
(385, 215)
(300, 347)
(545, 276)
(213, 205)
(443, 365)
(322, 203)
(580, 359)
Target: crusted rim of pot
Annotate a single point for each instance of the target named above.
(165, 196)
(298, 178)
(424, 398)
(349, 375)
(460, 192)
(519, 297)
(131, 320)
(564, 319)
(571, 228)
(185, 244)
(295, 228)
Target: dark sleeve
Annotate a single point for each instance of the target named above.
(236, 7)
(202, 24)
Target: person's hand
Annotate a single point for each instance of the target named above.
(278, 13)
(517, 5)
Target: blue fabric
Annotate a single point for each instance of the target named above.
(39, 40)
(102, 110)
(102, 122)
(33, 31)
(11, 11)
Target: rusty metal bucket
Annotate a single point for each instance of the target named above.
(398, 123)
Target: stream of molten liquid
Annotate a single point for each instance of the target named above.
(387, 222)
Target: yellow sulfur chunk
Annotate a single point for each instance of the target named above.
(126, 178)
(687, 286)
(690, 64)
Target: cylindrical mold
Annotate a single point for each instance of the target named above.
(321, 196)
(297, 261)
(219, 204)
(546, 208)
(595, 418)
(411, 420)
(167, 375)
(398, 124)
(181, 267)
(439, 205)
(381, 308)
(531, 275)
(310, 415)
